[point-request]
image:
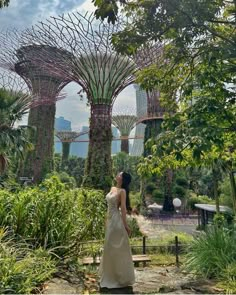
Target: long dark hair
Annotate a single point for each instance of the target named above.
(126, 179)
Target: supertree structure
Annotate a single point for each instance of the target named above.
(124, 121)
(153, 115)
(45, 85)
(102, 73)
(67, 137)
(155, 111)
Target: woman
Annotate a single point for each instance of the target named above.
(116, 268)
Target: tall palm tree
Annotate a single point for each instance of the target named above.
(13, 140)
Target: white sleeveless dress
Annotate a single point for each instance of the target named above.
(116, 268)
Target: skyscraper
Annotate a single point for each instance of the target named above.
(115, 146)
(80, 149)
(141, 103)
(60, 125)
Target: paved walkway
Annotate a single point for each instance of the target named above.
(154, 229)
(149, 280)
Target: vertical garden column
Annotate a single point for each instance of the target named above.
(98, 170)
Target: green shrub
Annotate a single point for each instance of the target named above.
(150, 187)
(68, 181)
(226, 193)
(181, 181)
(228, 279)
(133, 225)
(135, 200)
(179, 191)
(52, 216)
(22, 269)
(211, 252)
(158, 196)
(219, 220)
(194, 199)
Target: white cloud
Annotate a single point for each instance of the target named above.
(86, 6)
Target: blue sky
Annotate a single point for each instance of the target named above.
(24, 13)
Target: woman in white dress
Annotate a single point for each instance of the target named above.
(116, 269)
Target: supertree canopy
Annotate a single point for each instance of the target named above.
(66, 137)
(45, 85)
(102, 73)
(124, 121)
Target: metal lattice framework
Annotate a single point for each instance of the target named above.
(93, 63)
(67, 136)
(146, 56)
(101, 71)
(124, 119)
(45, 85)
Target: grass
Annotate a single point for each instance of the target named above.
(164, 259)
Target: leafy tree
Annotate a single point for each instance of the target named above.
(124, 162)
(4, 3)
(74, 167)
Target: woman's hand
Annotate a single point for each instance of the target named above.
(128, 230)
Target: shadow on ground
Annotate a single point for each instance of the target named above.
(126, 290)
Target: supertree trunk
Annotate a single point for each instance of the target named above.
(125, 145)
(98, 169)
(66, 138)
(39, 162)
(65, 152)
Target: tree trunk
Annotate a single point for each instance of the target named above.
(215, 189)
(233, 189)
(98, 169)
(65, 152)
(168, 196)
(125, 145)
(39, 162)
(152, 130)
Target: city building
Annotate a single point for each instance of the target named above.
(60, 125)
(141, 105)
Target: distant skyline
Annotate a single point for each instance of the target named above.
(24, 13)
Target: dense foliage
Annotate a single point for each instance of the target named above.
(14, 141)
(124, 162)
(53, 217)
(21, 268)
(211, 253)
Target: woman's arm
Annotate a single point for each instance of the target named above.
(123, 210)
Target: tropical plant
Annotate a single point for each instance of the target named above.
(22, 269)
(212, 252)
(51, 216)
(14, 141)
